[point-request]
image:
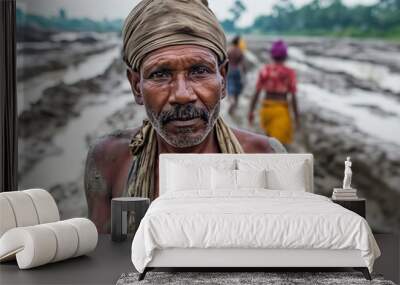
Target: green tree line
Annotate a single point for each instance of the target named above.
(62, 22)
(319, 17)
(331, 17)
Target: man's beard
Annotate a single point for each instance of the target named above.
(184, 136)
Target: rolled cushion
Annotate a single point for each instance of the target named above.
(40, 244)
(67, 239)
(87, 234)
(23, 208)
(7, 220)
(46, 207)
(33, 246)
(26, 208)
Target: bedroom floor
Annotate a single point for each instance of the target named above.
(110, 260)
(240, 278)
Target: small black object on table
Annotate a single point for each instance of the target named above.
(356, 205)
(121, 210)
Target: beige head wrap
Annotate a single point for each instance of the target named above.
(154, 24)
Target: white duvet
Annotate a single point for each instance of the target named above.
(253, 218)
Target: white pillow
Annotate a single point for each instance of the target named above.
(284, 174)
(223, 179)
(251, 178)
(188, 177)
(293, 179)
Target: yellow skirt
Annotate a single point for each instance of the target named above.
(275, 120)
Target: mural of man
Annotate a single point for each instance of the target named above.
(177, 67)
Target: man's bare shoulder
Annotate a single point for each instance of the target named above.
(252, 142)
(110, 147)
(106, 154)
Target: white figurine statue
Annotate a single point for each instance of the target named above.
(347, 174)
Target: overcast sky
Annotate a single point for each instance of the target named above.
(112, 9)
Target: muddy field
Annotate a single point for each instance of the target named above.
(349, 99)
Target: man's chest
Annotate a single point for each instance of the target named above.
(124, 177)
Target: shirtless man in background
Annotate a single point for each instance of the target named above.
(236, 73)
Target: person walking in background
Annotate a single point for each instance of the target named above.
(242, 44)
(236, 72)
(277, 81)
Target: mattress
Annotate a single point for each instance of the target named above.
(252, 219)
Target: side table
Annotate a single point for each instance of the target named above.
(389, 243)
(123, 209)
(356, 205)
(388, 264)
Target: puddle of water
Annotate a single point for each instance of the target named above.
(67, 167)
(379, 74)
(75, 36)
(387, 56)
(383, 127)
(355, 102)
(30, 91)
(93, 66)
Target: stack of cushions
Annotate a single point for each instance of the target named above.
(26, 208)
(286, 175)
(31, 230)
(237, 174)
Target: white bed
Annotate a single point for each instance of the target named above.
(202, 220)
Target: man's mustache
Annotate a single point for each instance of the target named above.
(183, 113)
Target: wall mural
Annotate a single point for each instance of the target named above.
(72, 89)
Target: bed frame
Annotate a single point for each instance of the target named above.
(234, 257)
(248, 259)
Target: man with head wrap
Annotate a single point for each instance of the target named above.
(175, 51)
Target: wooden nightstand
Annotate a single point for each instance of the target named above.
(355, 205)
